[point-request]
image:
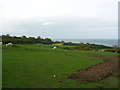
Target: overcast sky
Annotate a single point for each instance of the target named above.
(73, 19)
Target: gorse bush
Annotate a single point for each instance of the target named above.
(113, 50)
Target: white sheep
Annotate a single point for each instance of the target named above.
(9, 44)
(54, 47)
(54, 76)
(1, 43)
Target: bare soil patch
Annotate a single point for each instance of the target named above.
(97, 72)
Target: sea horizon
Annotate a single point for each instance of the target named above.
(106, 42)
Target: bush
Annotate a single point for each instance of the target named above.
(82, 48)
(113, 50)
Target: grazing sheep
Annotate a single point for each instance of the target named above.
(93, 50)
(0, 42)
(54, 76)
(9, 44)
(54, 47)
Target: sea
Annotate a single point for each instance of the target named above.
(106, 42)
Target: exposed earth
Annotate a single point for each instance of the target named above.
(99, 71)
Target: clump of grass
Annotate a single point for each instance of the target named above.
(15, 45)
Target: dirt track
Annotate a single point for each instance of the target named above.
(99, 71)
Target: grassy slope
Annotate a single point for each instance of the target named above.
(33, 66)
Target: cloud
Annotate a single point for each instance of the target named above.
(11, 9)
(48, 23)
(63, 27)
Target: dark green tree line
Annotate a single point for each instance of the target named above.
(25, 40)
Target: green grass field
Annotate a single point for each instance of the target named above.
(33, 66)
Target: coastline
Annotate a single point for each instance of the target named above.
(105, 42)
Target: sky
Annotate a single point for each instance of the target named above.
(60, 19)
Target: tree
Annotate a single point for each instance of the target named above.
(47, 41)
(24, 37)
(38, 37)
(7, 35)
(24, 40)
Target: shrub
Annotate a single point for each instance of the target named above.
(113, 50)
